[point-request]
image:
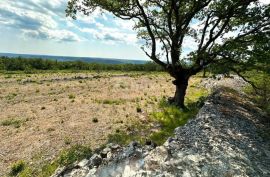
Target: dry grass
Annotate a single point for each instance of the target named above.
(60, 109)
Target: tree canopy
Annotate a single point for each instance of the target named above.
(218, 31)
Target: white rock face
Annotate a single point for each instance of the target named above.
(222, 141)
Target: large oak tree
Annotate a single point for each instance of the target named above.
(221, 31)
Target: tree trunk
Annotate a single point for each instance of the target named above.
(180, 93)
(204, 73)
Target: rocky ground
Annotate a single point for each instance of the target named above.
(223, 140)
(44, 113)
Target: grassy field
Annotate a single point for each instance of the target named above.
(42, 114)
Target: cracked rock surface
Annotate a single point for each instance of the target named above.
(222, 141)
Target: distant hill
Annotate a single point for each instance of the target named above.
(84, 59)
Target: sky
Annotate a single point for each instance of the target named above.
(41, 27)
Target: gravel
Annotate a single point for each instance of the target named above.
(223, 140)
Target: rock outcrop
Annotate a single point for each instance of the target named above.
(222, 141)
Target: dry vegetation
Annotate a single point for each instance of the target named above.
(42, 114)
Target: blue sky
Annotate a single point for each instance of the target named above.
(40, 27)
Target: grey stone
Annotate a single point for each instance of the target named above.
(221, 141)
(95, 160)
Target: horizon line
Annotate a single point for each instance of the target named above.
(52, 55)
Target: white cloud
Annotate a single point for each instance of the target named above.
(111, 34)
(30, 19)
(264, 1)
(57, 35)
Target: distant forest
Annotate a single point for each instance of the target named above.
(26, 64)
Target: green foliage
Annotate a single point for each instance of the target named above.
(11, 96)
(12, 122)
(75, 153)
(17, 167)
(30, 66)
(111, 102)
(170, 117)
(71, 96)
(65, 158)
(262, 94)
(120, 137)
(47, 170)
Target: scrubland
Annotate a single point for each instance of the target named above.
(45, 113)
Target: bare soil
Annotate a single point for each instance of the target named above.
(52, 111)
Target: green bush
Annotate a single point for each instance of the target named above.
(75, 153)
(12, 122)
(170, 117)
(261, 95)
(17, 167)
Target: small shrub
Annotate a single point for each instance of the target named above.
(122, 86)
(12, 122)
(95, 120)
(43, 107)
(170, 117)
(111, 102)
(120, 137)
(67, 140)
(139, 109)
(75, 153)
(71, 96)
(51, 129)
(17, 167)
(11, 96)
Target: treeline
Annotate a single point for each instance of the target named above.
(24, 64)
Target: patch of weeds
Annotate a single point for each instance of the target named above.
(71, 96)
(120, 137)
(8, 76)
(122, 86)
(17, 167)
(12, 122)
(73, 154)
(67, 140)
(170, 117)
(11, 96)
(260, 96)
(133, 132)
(119, 122)
(27, 172)
(65, 158)
(50, 129)
(48, 169)
(111, 102)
